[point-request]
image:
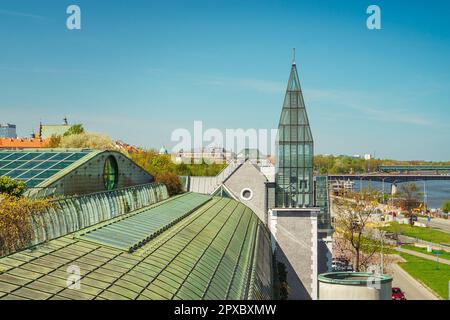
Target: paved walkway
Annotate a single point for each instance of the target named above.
(437, 223)
(423, 255)
(413, 289)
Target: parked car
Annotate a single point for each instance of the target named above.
(338, 266)
(349, 268)
(397, 294)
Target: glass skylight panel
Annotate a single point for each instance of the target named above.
(4, 155)
(29, 174)
(35, 167)
(14, 173)
(14, 156)
(3, 163)
(29, 156)
(45, 156)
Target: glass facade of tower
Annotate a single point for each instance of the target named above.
(295, 150)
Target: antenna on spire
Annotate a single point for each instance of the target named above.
(293, 60)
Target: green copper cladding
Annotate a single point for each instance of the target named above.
(294, 175)
(219, 251)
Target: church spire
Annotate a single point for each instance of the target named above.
(293, 59)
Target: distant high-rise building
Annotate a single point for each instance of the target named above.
(294, 175)
(8, 131)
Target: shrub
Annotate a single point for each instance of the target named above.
(15, 221)
(11, 187)
(87, 140)
(172, 182)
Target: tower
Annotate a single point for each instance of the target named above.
(294, 144)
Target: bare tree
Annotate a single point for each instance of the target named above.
(353, 213)
(409, 198)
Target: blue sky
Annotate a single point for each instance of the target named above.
(137, 70)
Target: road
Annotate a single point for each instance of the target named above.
(437, 223)
(412, 288)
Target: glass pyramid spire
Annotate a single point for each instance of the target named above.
(294, 175)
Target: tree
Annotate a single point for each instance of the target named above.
(15, 221)
(88, 140)
(54, 141)
(11, 187)
(352, 214)
(75, 129)
(409, 198)
(172, 182)
(446, 206)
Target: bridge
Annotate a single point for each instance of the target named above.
(436, 169)
(389, 178)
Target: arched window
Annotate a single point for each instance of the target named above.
(110, 173)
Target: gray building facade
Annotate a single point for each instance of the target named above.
(8, 131)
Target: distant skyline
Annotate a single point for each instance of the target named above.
(138, 70)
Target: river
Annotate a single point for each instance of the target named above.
(436, 191)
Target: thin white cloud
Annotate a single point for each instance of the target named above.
(361, 101)
(19, 14)
(247, 84)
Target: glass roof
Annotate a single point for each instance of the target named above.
(132, 233)
(219, 251)
(35, 166)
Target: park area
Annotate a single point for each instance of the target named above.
(426, 234)
(435, 276)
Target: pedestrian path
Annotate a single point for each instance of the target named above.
(423, 255)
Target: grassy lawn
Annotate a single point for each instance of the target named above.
(426, 234)
(444, 255)
(367, 246)
(426, 272)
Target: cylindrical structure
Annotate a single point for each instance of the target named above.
(354, 286)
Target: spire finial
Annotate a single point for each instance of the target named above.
(293, 60)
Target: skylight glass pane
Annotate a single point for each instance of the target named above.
(3, 163)
(76, 156)
(46, 156)
(4, 155)
(13, 165)
(47, 174)
(61, 156)
(29, 165)
(30, 156)
(62, 165)
(29, 174)
(15, 173)
(45, 165)
(14, 156)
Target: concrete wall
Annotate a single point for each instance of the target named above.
(332, 291)
(324, 251)
(295, 241)
(88, 177)
(249, 177)
(205, 185)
